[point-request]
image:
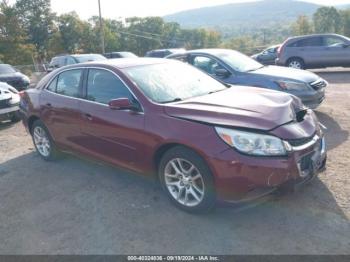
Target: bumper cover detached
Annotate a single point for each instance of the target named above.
(266, 176)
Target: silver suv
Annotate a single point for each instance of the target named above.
(315, 51)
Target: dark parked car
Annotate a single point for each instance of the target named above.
(205, 140)
(13, 77)
(268, 56)
(63, 60)
(235, 68)
(315, 51)
(160, 53)
(119, 55)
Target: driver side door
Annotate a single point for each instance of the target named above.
(114, 136)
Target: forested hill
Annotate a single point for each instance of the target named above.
(244, 16)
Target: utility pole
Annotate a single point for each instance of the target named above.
(102, 34)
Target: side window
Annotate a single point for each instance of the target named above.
(52, 85)
(333, 41)
(103, 86)
(68, 83)
(309, 42)
(206, 64)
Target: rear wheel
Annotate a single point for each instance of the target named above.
(296, 63)
(43, 142)
(187, 180)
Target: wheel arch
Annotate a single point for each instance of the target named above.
(31, 121)
(166, 147)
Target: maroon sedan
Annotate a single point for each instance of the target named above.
(206, 141)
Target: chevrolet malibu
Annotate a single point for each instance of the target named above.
(205, 141)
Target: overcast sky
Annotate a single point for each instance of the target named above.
(127, 8)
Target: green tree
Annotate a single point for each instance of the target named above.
(327, 20)
(36, 19)
(13, 47)
(302, 26)
(345, 15)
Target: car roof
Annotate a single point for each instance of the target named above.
(313, 35)
(210, 51)
(121, 63)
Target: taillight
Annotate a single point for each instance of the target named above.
(21, 94)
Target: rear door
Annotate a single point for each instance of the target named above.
(60, 107)
(336, 52)
(114, 136)
(310, 50)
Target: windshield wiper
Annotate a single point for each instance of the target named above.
(173, 100)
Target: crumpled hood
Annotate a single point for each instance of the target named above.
(245, 107)
(279, 72)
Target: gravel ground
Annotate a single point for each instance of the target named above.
(75, 206)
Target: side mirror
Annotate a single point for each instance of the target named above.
(122, 104)
(222, 72)
(346, 45)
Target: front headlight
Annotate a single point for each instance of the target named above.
(292, 86)
(252, 143)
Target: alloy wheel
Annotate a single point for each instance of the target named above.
(184, 182)
(295, 64)
(42, 142)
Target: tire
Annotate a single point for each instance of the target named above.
(296, 63)
(43, 142)
(187, 180)
(15, 117)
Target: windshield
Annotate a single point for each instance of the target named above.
(238, 61)
(7, 69)
(128, 55)
(88, 58)
(172, 81)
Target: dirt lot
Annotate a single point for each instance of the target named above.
(74, 206)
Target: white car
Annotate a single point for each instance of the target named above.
(9, 103)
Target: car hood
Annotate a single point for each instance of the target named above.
(279, 72)
(245, 107)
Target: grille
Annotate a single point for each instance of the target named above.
(305, 162)
(301, 141)
(318, 84)
(4, 103)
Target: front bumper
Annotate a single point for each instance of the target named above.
(5, 113)
(245, 178)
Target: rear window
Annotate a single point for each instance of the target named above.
(307, 42)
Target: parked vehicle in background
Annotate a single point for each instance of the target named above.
(235, 68)
(63, 60)
(119, 55)
(160, 53)
(206, 140)
(268, 56)
(13, 77)
(315, 51)
(9, 102)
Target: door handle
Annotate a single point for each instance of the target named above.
(88, 116)
(48, 105)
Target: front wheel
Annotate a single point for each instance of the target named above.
(43, 141)
(187, 180)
